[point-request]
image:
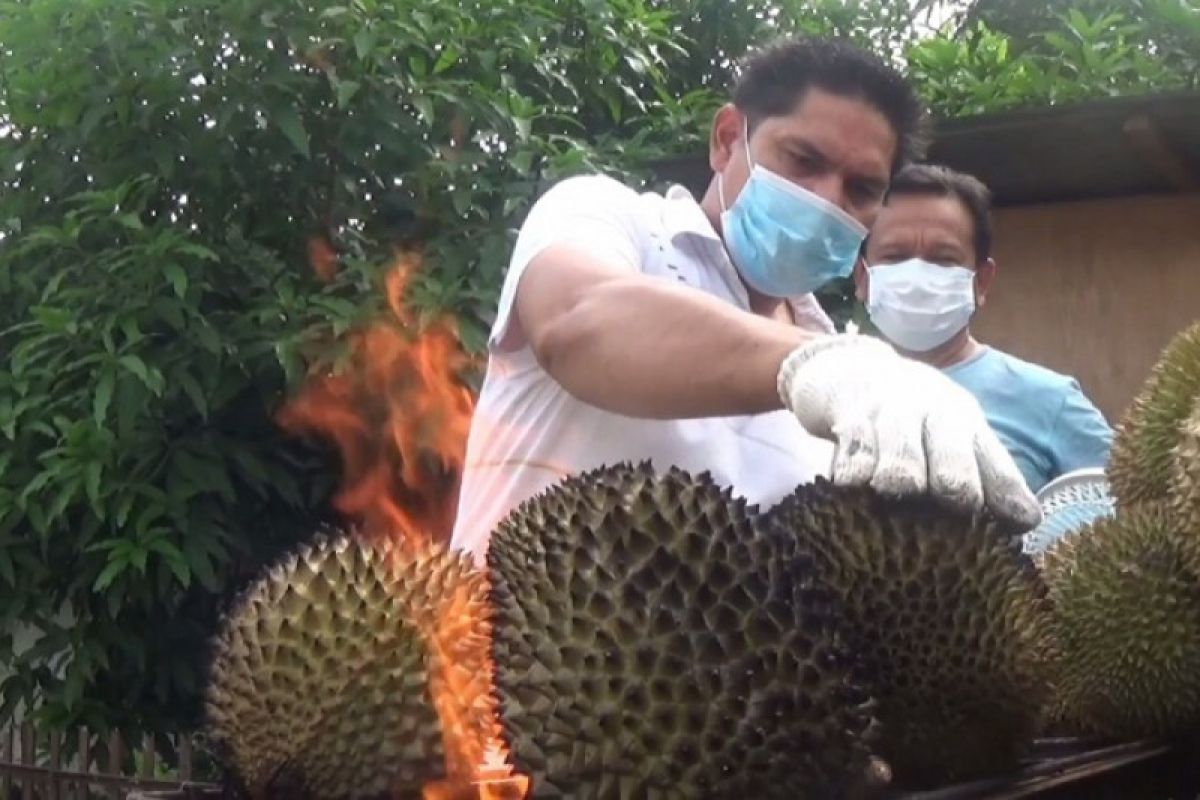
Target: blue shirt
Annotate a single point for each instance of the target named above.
(1042, 417)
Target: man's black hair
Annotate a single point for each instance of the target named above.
(941, 181)
(774, 79)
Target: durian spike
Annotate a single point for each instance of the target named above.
(1185, 477)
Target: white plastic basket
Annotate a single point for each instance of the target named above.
(1069, 502)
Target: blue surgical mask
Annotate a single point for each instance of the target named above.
(784, 240)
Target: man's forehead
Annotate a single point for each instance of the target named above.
(904, 214)
(846, 131)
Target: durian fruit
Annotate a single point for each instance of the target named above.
(1185, 475)
(1125, 594)
(649, 643)
(1139, 467)
(322, 672)
(948, 617)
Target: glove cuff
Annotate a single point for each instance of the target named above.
(805, 353)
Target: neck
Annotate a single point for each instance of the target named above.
(958, 349)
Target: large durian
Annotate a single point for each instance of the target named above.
(320, 683)
(1125, 594)
(1140, 465)
(948, 616)
(649, 643)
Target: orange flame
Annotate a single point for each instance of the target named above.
(322, 258)
(476, 768)
(399, 415)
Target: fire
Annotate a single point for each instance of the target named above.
(399, 415)
(475, 769)
(322, 258)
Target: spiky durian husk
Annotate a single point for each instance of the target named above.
(1139, 467)
(650, 644)
(1185, 476)
(320, 683)
(948, 616)
(1125, 595)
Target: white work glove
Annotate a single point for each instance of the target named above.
(902, 427)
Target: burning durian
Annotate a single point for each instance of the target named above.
(948, 617)
(649, 643)
(1125, 595)
(320, 684)
(1140, 465)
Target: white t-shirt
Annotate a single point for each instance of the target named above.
(528, 433)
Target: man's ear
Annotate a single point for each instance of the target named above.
(862, 280)
(985, 273)
(728, 125)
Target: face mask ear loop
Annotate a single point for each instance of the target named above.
(749, 163)
(746, 142)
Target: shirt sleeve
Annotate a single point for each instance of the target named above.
(593, 212)
(1082, 437)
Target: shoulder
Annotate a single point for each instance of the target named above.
(1030, 373)
(592, 192)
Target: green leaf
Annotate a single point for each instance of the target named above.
(91, 478)
(293, 128)
(110, 572)
(103, 396)
(199, 563)
(345, 91)
(425, 107)
(175, 560)
(363, 41)
(193, 390)
(138, 367)
(56, 319)
(131, 221)
(178, 278)
(417, 65)
(447, 59)
(199, 251)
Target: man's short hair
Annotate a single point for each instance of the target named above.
(774, 79)
(941, 181)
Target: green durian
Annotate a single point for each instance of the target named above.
(1140, 464)
(948, 617)
(322, 671)
(650, 643)
(1125, 594)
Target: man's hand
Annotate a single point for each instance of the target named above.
(902, 427)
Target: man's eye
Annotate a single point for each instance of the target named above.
(865, 192)
(804, 161)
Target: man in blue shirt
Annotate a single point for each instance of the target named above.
(926, 268)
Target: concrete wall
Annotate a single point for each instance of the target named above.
(1095, 289)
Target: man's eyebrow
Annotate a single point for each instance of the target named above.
(794, 142)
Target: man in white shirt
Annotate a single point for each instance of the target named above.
(637, 327)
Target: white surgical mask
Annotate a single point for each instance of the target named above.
(918, 305)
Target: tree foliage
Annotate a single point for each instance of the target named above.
(173, 172)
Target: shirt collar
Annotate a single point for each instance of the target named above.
(683, 216)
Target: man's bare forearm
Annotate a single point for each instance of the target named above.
(644, 347)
